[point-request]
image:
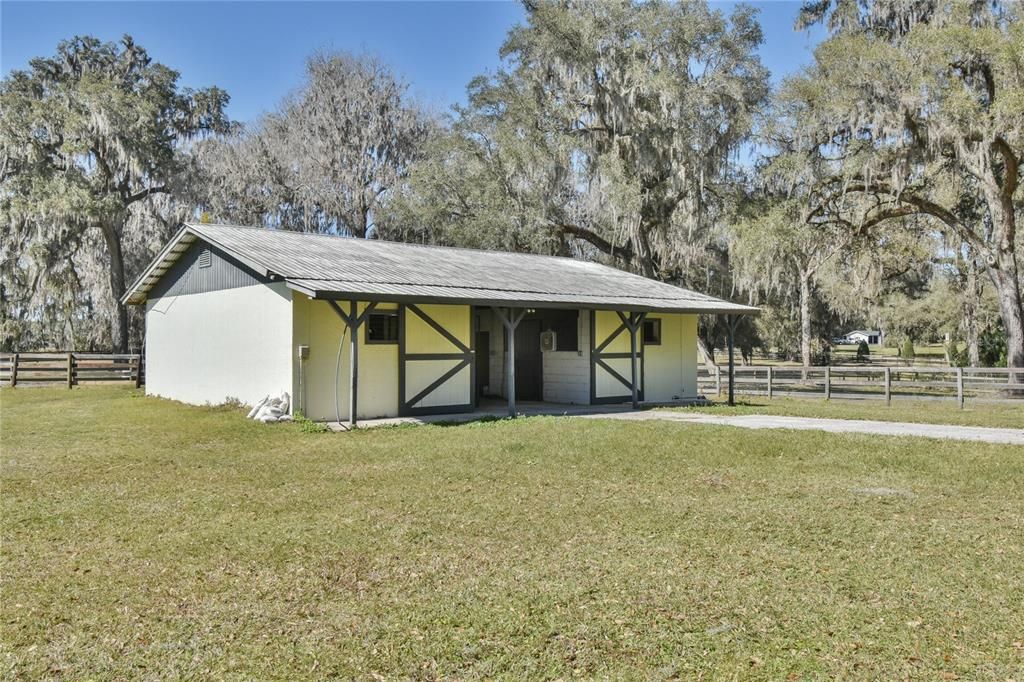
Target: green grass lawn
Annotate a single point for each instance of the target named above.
(1000, 415)
(143, 538)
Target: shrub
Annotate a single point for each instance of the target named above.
(907, 351)
(863, 351)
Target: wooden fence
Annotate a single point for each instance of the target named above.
(70, 369)
(863, 382)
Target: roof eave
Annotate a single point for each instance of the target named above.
(335, 295)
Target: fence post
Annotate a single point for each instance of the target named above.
(769, 382)
(888, 386)
(960, 386)
(71, 369)
(14, 371)
(718, 380)
(828, 383)
(138, 370)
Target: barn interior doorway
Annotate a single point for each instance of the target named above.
(529, 360)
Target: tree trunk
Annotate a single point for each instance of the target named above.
(119, 321)
(971, 313)
(805, 319)
(1002, 267)
(1004, 277)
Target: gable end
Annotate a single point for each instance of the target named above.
(202, 268)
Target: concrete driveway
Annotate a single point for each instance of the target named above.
(624, 412)
(752, 421)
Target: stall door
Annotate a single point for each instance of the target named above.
(610, 363)
(435, 359)
(529, 361)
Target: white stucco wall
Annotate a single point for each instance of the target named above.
(207, 348)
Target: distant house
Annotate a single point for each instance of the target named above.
(369, 328)
(872, 337)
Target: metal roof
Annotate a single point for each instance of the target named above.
(327, 266)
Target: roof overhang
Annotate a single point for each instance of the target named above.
(138, 292)
(391, 293)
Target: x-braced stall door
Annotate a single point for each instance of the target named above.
(610, 362)
(436, 371)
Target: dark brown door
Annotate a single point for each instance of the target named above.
(529, 366)
(483, 363)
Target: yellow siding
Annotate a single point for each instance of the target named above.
(420, 337)
(318, 326)
(605, 323)
(422, 373)
(670, 370)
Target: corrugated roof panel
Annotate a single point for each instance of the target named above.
(330, 266)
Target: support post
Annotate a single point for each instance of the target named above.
(634, 394)
(510, 376)
(888, 386)
(633, 323)
(960, 387)
(71, 369)
(510, 321)
(138, 370)
(731, 319)
(769, 382)
(353, 321)
(718, 380)
(353, 366)
(828, 383)
(14, 371)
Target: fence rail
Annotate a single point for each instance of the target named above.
(70, 369)
(865, 383)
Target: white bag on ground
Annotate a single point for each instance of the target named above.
(271, 410)
(256, 407)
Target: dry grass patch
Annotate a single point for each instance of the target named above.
(146, 538)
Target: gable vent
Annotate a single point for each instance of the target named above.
(205, 258)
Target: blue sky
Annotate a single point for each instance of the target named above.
(256, 50)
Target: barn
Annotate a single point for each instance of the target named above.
(356, 329)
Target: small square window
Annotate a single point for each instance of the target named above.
(382, 328)
(652, 332)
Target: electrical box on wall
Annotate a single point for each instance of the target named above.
(547, 340)
(304, 352)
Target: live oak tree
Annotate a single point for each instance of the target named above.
(778, 251)
(325, 159)
(88, 139)
(920, 108)
(610, 131)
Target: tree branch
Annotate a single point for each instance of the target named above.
(142, 194)
(594, 239)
